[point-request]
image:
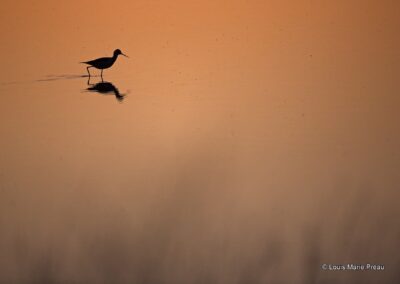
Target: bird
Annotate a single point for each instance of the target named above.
(103, 62)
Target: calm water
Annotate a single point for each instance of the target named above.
(249, 143)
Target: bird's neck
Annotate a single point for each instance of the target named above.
(114, 57)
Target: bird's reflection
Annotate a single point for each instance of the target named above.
(105, 88)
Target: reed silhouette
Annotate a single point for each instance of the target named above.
(103, 62)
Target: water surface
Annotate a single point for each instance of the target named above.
(254, 142)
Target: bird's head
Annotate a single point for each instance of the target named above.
(119, 52)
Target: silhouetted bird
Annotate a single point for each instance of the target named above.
(106, 88)
(104, 62)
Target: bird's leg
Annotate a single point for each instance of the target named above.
(101, 75)
(88, 70)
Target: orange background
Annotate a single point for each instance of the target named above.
(258, 140)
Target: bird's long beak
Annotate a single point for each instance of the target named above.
(124, 55)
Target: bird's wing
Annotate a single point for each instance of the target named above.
(95, 61)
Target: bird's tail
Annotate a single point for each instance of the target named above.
(83, 62)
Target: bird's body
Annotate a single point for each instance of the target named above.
(103, 62)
